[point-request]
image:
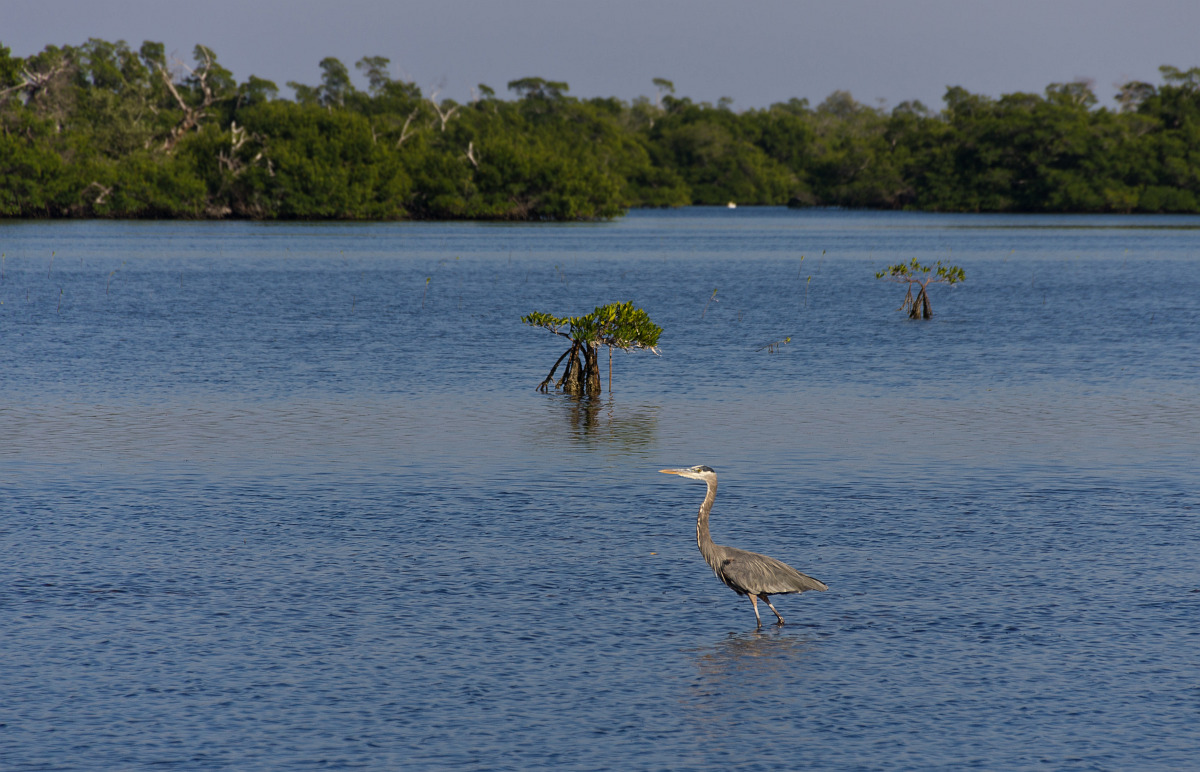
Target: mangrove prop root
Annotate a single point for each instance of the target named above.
(579, 377)
(543, 386)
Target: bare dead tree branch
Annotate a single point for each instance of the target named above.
(238, 137)
(444, 117)
(105, 192)
(404, 133)
(34, 82)
(191, 115)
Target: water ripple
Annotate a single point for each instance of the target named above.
(267, 504)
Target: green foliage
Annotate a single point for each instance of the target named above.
(376, 70)
(919, 306)
(256, 90)
(714, 152)
(104, 130)
(616, 325)
(538, 88)
(916, 272)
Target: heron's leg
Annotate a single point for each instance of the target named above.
(767, 600)
(754, 601)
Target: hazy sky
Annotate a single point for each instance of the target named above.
(754, 51)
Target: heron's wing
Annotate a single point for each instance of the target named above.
(753, 573)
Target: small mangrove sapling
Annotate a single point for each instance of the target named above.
(616, 325)
(775, 345)
(912, 273)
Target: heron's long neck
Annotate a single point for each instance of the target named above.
(703, 539)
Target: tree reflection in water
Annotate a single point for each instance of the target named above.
(606, 422)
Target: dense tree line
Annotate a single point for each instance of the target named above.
(102, 130)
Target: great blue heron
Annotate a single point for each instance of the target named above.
(746, 573)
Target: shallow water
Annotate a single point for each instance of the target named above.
(271, 499)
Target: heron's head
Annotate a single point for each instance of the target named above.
(694, 472)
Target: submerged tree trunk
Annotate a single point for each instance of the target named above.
(920, 307)
(580, 377)
(572, 380)
(592, 353)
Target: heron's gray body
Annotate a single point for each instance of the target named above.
(746, 573)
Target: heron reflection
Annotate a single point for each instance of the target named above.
(740, 654)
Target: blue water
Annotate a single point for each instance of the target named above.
(282, 496)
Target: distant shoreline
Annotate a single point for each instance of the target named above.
(103, 131)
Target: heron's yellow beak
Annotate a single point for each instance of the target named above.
(670, 471)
